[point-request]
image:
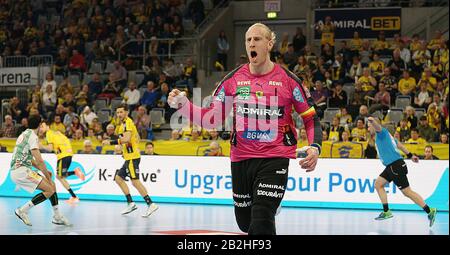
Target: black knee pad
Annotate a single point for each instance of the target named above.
(54, 199)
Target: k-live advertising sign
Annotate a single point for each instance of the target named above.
(368, 22)
(18, 76)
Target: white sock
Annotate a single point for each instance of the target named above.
(56, 211)
(27, 206)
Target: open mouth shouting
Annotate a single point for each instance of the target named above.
(253, 55)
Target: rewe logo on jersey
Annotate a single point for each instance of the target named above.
(276, 83)
(243, 83)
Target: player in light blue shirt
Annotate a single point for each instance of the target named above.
(396, 170)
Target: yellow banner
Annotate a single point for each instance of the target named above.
(346, 150)
(439, 150)
(188, 148)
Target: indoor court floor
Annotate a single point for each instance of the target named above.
(104, 218)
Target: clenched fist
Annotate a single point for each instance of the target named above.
(177, 99)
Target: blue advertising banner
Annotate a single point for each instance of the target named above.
(368, 22)
(336, 183)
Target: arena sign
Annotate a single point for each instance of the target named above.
(336, 183)
(368, 22)
(18, 76)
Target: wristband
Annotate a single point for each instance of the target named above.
(304, 149)
(317, 146)
(409, 155)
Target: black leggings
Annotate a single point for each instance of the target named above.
(258, 188)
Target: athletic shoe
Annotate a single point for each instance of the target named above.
(384, 215)
(432, 216)
(151, 208)
(60, 220)
(23, 216)
(73, 200)
(79, 173)
(131, 207)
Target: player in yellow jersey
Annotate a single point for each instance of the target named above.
(129, 139)
(60, 144)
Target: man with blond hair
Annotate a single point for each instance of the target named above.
(261, 95)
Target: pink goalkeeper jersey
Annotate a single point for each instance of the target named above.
(262, 113)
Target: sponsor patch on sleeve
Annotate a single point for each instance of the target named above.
(221, 95)
(298, 95)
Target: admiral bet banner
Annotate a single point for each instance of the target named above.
(336, 183)
(368, 22)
